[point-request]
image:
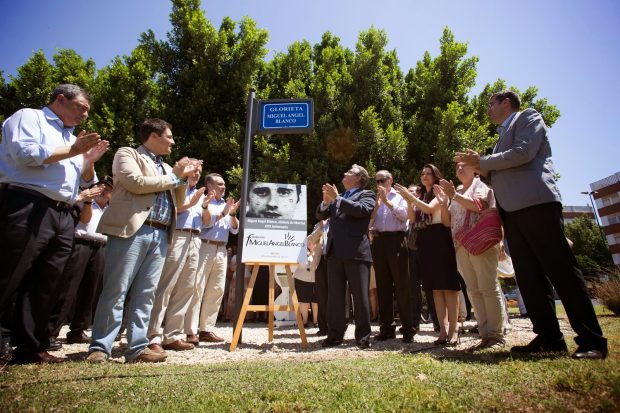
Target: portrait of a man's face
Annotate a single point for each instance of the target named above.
(269, 200)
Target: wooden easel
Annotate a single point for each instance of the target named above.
(270, 307)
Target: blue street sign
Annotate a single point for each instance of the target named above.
(284, 116)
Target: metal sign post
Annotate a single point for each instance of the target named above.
(265, 117)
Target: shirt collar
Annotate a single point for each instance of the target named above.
(506, 122)
(157, 159)
(53, 117)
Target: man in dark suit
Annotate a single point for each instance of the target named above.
(348, 254)
(521, 172)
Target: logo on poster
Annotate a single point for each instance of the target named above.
(289, 241)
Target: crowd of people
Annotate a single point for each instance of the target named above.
(146, 250)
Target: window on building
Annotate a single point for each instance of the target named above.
(610, 199)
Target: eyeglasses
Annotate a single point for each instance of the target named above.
(381, 180)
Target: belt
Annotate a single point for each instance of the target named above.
(388, 233)
(90, 242)
(35, 194)
(157, 225)
(218, 243)
(190, 230)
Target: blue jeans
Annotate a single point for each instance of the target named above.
(130, 263)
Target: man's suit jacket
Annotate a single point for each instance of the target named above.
(348, 226)
(520, 168)
(136, 183)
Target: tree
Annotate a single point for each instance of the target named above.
(589, 247)
(436, 106)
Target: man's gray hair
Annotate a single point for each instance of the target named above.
(385, 173)
(362, 173)
(69, 91)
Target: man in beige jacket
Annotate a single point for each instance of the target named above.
(138, 223)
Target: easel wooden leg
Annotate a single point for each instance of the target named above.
(244, 309)
(295, 303)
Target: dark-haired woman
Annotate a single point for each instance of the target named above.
(436, 255)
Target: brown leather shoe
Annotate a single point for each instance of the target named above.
(38, 357)
(178, 345)
(149, 356)
(193, 339)
(209, 337)
(156, 348)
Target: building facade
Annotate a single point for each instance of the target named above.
(570, 213)
(606, 195)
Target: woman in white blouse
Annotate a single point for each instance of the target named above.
(478, 271)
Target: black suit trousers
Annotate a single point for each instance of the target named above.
(541, 256)
(36, 240)
(390, 260)
(321, 292)
(83, 275)
(357, 274)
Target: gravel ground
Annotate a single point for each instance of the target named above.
(286, 344)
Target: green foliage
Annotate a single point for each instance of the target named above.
(198, 78)
(608, 292)
(589, 247)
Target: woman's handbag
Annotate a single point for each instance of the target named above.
(486, 233)
(412, 239)
(414, 229)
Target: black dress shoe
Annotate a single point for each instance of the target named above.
(6, 351)
(385, 336)
(583, 354)
(328, 342)
(538, 345)
(39, 357)
(408, 339)
(321, 333)
(54, 344)
(363, 343)
(76, 337)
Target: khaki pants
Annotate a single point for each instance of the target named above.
(480, 275)
(209, 288)
(175, 289)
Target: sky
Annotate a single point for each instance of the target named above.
(569, 49)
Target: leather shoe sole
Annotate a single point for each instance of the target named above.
(38, 358)
(178, 345)
(540, 348)
(97, 357)
(156, 348)
(80, 338)
(149, 356)
(589, 355)
(210, 337)
(54, 345)
(330, 343)
(363, 343)
(383, 337)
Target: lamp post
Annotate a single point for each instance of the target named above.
(596, 218)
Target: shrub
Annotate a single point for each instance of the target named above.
(608, 293)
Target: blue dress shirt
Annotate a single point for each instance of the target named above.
(29, 137)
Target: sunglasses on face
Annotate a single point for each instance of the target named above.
(381, 180)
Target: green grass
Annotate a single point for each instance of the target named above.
(492, 381)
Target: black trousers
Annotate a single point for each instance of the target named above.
(320, 284)
(416, 293)
(357, 274)
(36, 238)
(390, 258)
(541, 257)
(83, 275)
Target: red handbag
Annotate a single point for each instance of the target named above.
(486, 233)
